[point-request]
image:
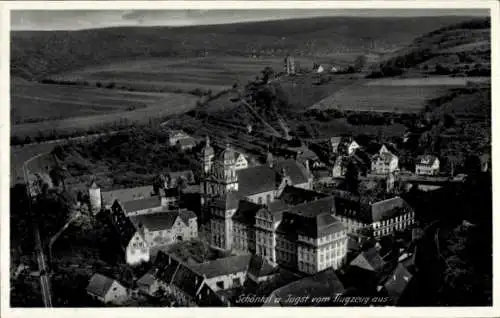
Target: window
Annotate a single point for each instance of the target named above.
(268, 198)
(260, 200)
(220, 284)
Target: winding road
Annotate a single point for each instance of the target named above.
(40, 255)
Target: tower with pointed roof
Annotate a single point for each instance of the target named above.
(95, 198)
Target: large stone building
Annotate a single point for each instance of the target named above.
(223, 186)
(379, 218)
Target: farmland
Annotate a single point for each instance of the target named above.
(166, 74)
(33, 102)
(44, 108)
(389, 95)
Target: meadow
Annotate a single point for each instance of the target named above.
(41, 108)
(390, 95)
(32, 102)
(175, 74)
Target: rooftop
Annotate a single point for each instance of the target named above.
(128, 194)
(322, 284)
(223, 266)
(369, 260)
(141, 204)
(263, 178)
(246, 212)
(99, 285)
(162, 220)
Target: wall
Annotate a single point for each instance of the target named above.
(116, 294)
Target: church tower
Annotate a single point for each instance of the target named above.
(225, 171)
(95, 198)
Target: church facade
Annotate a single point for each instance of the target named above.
(224, 185)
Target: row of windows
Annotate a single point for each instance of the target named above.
(395, 226)
(263, 223)
(287, 245)
(398, 218)
(326, 238)
(285, 256)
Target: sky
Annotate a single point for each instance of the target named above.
(88, 19)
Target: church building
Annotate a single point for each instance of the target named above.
(223, 186)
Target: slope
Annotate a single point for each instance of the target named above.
(36, 54)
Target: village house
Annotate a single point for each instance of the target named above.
(186, 144)
(106, 290)
(306, 156)
(320, 289)
(148, 284)
(427, 165)
(143, 234)
(201, 284)
(398, 285)
(174, 136)
(384, 162)
(380, 218)
(324, 68)
(344, 146)
(224, 273)
(260, 270)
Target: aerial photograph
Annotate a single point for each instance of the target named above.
(251, 158)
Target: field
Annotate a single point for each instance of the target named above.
(167, 74)
(390, 95)
(43, 108)
(33, 102)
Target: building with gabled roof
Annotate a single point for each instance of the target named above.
(106, 290)
(369, 260)
(344, 146)
(397, 285)
(260, 269)
(380, 218)
(126, 195)
(427, 165)
(148, 284)
(142, 235)
(384, 162)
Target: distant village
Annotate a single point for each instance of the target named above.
(279, 225)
